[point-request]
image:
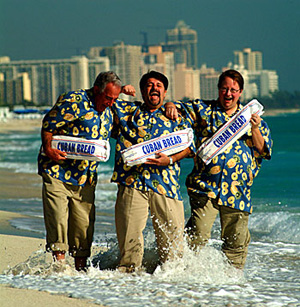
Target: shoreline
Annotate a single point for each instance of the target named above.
(16, 249)
(19, 125)
(276, 112)
(26, 125)
(17, 245)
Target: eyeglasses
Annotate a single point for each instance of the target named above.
(232, 90)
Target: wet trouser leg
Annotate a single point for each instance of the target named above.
(235, 235)
(131, 213)
(234, 228)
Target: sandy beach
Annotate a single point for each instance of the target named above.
(15, 245)
(11, 125)
(15, 250)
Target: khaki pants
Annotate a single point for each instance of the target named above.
(69, 214)
(234, 227)
(131, 213)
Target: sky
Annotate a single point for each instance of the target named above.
(54, 29)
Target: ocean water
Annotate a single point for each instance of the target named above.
(272, 273)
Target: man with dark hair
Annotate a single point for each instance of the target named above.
(69, 184)
(156, 75)
(223, 184)
(148, 184)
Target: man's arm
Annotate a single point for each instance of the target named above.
(128, 90)
(171, 110)
(257, 138)
(52, 153)
(164, 160)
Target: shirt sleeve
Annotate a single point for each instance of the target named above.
(191, 109)
(65, 110)
(266, 133)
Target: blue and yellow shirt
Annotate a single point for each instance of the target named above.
(136, 124)
(229, 176)
(74, 114)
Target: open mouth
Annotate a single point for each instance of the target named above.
(228, 99)
(154, 94)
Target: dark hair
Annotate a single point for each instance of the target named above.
(234, 75)
(156, 75)
(107, 77)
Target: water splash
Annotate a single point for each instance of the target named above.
(201, 278)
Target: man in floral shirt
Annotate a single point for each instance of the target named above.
(152, 185)
(68, 184)
(223, 186)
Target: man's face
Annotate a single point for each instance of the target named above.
(107, 97)
(229, 94)
(154, 93)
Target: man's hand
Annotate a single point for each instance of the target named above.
(255, 121)
(55, 154)
(164, 160)
(128, 90)
(52, 153)
(171, 111)
(161, 160)
(257, 137)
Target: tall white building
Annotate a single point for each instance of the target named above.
(125, 61)
(182, 41)
(269, 82)
(257, 82)
(250, 60)
(208, 82)
(187, 82)
(45, 80)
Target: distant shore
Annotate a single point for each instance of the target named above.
(276, 112)
(12, 125)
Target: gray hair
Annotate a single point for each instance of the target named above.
(107, 77)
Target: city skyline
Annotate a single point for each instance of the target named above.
(39, 29)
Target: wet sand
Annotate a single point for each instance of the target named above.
(12, 125)
(15, 250)
(17, 245)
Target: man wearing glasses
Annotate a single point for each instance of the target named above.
(223, 184)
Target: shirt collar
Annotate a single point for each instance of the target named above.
(144, 107)
(91, 96)
(220, 108)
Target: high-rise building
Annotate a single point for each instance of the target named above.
(269, 82)
(125, 60)
(261, 83)
(187, 82)
(258, 83)
(183, 42)
(250, 60)
(45, 80)
(209, 78)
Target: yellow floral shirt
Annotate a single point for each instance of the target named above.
(135, 124)
(229, 176)
(74, 114)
